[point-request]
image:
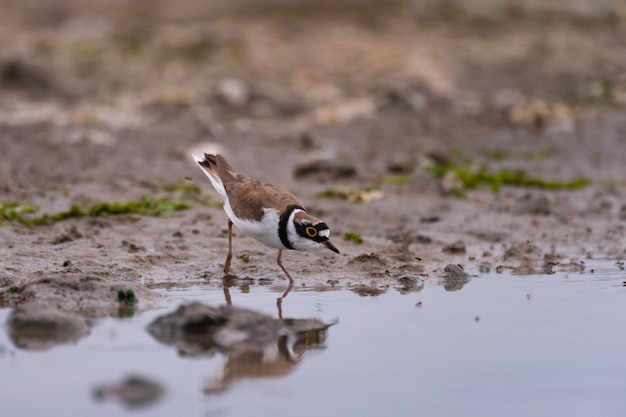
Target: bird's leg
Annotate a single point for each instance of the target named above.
(279, 301)
(229, 301)
(230, 247)
(278, 261)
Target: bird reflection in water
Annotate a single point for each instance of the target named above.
(230, 281)
(254, 344)
(274, 361)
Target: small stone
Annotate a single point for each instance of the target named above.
(307, 142)
(488, 235)
(433, 218)
(131, 247)
(409, 284)
(403, 163)
(539, 206)
(405, 280)
(455, 248)
(450, 182)
(20, 75)
(454, 272)
(423, 239)
(325, 170)
(522, 251)
(67, 236)
(366, 290)
(38, 327)
(345, 112)
(134, 392)
(233, 92)
(573, 266)
(368, 258)
(454, 277)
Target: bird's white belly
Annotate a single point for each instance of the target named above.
(265, 231)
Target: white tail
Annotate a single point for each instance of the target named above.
(211, 175)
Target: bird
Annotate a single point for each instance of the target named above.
(266, 212)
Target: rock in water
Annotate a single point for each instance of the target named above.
(38, 327)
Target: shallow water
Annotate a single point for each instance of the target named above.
(502, 345)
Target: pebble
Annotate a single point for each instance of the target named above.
(369, 258)
(403, 163)
(452, 271)
(19, 75)
(536, 206)
(325, 170)
(233, 92)
(457, 247)
(522, 251)
(133, 391)
(38, 327)
(488, 235)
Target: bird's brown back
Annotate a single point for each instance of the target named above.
(249, 196)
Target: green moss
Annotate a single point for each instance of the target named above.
(327, 192)
(134, 41)
(245, 257)
(87, 51)
(188, 189)
(397, 179)
(346, 193)
(14, 289)
(145, 206)
(501, 154)
(353, 237)
(11, 211)
(471, 178)
(127, 297)
(196, 51)
(190, 192)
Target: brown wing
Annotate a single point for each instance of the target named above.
(249, 196)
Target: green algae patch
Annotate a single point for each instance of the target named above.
(353, 237)
(14, 212)
(146, 206)
(499, 154)
(469, 177)
(397, 179)
(193, 193)
(353, 195)
(127, 297)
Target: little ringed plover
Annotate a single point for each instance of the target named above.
(263, 211)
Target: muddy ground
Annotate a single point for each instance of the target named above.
(105, 103)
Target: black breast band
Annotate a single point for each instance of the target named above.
(282, 225)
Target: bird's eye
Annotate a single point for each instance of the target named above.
(311, 231)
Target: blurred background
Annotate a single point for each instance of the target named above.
(361, 81)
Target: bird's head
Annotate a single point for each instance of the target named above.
(311, 233)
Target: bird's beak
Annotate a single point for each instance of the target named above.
(330, 246)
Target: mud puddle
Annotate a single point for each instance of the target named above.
(499, 345)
